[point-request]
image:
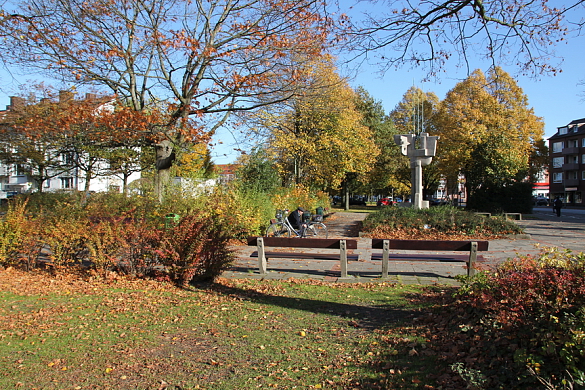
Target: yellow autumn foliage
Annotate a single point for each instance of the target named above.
(319, 136)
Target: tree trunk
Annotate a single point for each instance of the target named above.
(164, 161)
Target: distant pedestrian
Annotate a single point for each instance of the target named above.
(558, 205)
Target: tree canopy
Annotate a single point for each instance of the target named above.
(195, 61)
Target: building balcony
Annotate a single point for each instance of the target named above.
(574, 150)
(571, 167)
(18, 179)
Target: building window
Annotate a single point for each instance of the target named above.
(557, 147)
(66, 182)
(557, 177)
(572, 175)
(583, 142)
(583, 158)
(562, 130)
(582, 175)
(68, 158)
(48, 183)
(559, 161)
(573, 143)
(20, 170)
(574, 159)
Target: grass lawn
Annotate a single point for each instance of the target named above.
(67, 333)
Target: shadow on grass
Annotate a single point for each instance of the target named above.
(388, 319)
(368, 317)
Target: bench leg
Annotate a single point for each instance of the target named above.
(385, 258)
(261, 256)
(472, 259)
(343, 257)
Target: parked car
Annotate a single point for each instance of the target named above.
(541, 201)
(439, 202)
(384, 202)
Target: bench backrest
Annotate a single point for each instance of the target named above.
(294, 242)
(430, 245)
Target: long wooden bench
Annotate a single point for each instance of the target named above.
(388, 246)
(307, 243)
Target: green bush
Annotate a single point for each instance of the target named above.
(442, 219)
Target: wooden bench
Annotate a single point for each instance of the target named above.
(309, 243)
(517, 216)
(429, 245)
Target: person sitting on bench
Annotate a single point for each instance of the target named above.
(296, 220)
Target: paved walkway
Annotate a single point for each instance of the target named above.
(543, 229)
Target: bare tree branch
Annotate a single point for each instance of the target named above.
(513, 32)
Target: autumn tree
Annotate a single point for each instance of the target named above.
(522, 34)
(482, 112)
(194, 161)
(318, 137)
(30, 142)
(199, 60)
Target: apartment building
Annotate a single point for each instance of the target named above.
(567, 163)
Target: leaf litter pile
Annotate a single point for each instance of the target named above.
(69, 332)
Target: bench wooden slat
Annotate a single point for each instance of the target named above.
(298, 255)
(470, 246)
(427, 257)
(295, 242)
(312, 243)
(429, 245)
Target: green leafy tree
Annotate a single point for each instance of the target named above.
(382, 179)
(496, 179)
(257, 172)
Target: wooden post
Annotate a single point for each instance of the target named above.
(385, 258)
(472, 259)
(261, 256)
(343, 257)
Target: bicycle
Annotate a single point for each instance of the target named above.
(281, 227)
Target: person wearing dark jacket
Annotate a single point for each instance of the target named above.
(558, 205)
(296, 219)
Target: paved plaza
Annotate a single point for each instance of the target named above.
(542, 227)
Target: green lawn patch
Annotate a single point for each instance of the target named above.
(228, 335)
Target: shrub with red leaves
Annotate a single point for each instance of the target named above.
(520, 327)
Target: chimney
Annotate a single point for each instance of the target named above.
(65, 96)
(16, 103)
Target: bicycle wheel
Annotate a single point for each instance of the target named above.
(278, 229)
(316, 230)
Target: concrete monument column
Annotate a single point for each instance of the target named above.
(420, 149)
